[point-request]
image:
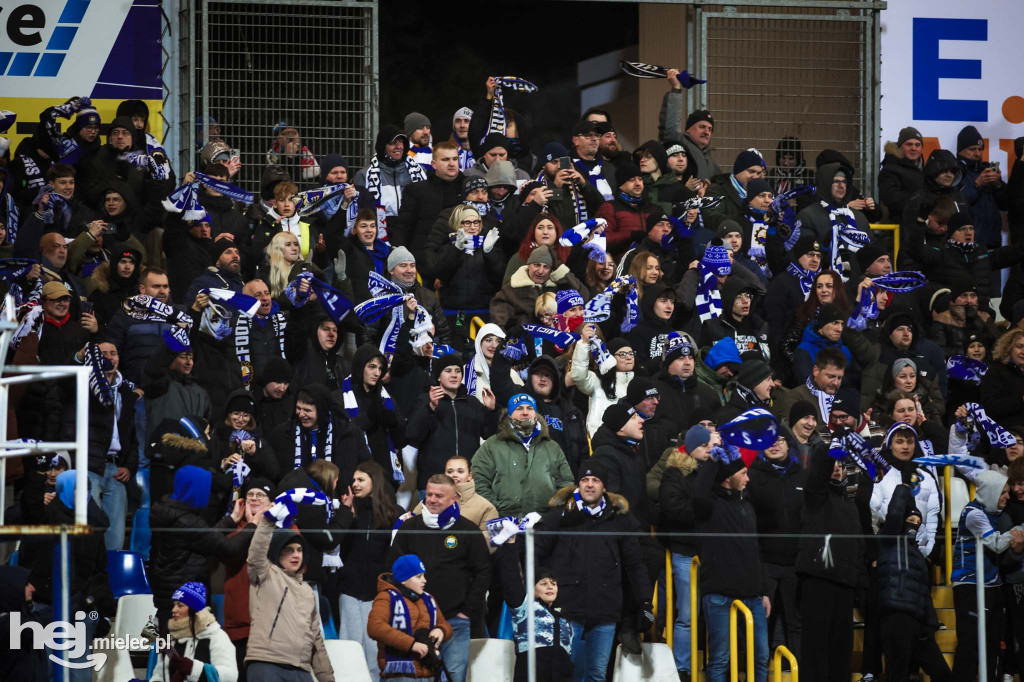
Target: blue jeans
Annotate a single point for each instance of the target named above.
(682, 628)
(591, 649)
(112, 498)
(455, 652)
(716, 613)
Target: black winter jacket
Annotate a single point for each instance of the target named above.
(468, 282)
(455, 428)
(898, 180)
(627, 472)
(1002, 392)
(187, 257)
(680, 397)
(101, 430)
(827, 511)
(675, 500)
(593, 557)
(421, 203)
(777, 496)
(904, 584)
(363, 554)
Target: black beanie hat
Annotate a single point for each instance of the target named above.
(805, 244)
(240, 403)
(616, 415)
(868, 254)
(829, 312)
(640, 389)
(653, 218)
(727, 470)
(218, 247)
(847, 400)
(277, 371)
(959, 220)
(698, 116)
(264, 484)
(617, 344)
(961, 286)
(593, 467)
(437, 365)
(801, 409)
(753, 372)
(493, 140)
(757, 186)
(626, 171)
(968, 137)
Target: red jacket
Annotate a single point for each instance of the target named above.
(623, 221)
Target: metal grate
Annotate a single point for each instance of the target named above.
(313, 65)
(771, 76)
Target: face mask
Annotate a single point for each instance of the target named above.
(911, 530)
(482, 207)
(523, 427)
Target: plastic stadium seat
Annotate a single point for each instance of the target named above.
(133, 612)
(142, 536)
(217, 606)
(127, 573)
(493, 660)
(348, 656)
(655, 664)
(959, 496)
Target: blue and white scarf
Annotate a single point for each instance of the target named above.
(559, 338)
(352, 409)
(579, 206)
(315, 200)
(853, 445)
(714, 264)
(403, 664)
(824, 399)
(583, 507)
(754, 429)
(58, 203)
(472, 243)
(963, 368)
(333, 302)
(900, 282)
(804, 277)
(581, 232)
(98, 384)
(243, 303)
(867, 309)
(725, 453)
(632, 317)
(759, 230)
(968, 461)
(146, 308)
(845, 235)
(286, 505)
(497, 123)
(997, 435)
(504, 528)
(595, 176)
(373, 186)
(599, 308)
(314, 452)
(185, 199)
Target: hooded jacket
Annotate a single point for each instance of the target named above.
(980, 517)
(378, 626)
(939, 161)
(593, 557)
(311, 364)
(348, 441)
(899, 179)
(454, 428)
(945, 264)
(262, 462)
(108, 289)
(650, 336)
(22, 662)
(903, 579)
(814, 218)
(627, 472)
(589, 383)
(394, 174)
(675, 498)
(285, 627)
(517, 479)
(751, 333)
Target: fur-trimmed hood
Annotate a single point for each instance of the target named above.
(506, 433)
(520, 278)
(894, 149)
(564, 496)
(682, 460)
(174, 440)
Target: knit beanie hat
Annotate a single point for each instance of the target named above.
(593, 467)
(675, 148)
(240, 403)
(716, 258)
(868, 254)
(640, 389)
(541, 254)
(961, 285)
(493, 140)
(218, 247)
(407, 566)
(616, 415)
(805, 244)
(728, 226)
(399, 256)
(192, 595)
(678, 346)
(626, 171)
(473, 182)
(567, 298)
(259, 483)
(437, 365)
(899, 363)
(829, 312)
(329, 163)
(462, 112)
(696, 436)
(753, 372)
(553, 151)
(898, 426)
(909, 133)
(727, 470)
(958, 221)
(277, 370)
(847, 400)
(968, 137)
(697, 116)
(520, 399)
(414, 122)
(757, 186)
(724, 352)
(801, 409)
(748, 158)
(653, 218)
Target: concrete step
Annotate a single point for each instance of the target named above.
(946, 639)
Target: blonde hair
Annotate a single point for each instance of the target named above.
(459, 214)
(1005, 343)
(545, 304)
(279, 267)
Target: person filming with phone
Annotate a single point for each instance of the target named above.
(568, 195)
(982, 187)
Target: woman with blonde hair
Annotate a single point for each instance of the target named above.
(1002, 388)
(284, 263)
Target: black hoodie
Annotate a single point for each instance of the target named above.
(750, 333)
(312, 364)
(650, 336)
(627, 471)
(939, 161)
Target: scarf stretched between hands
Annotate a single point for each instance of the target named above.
(149, 309)
(804, 277)
(642, 70)
(867, 309)
(559, 338)
(853, 445)
(741, 432)
(67, 147)
(497, 123)
(997, 435)
(599, 308)
(333, 302)
(185, 199)
(963, 368)
(376, 308)
(352, 409)
(470, 242)
(285, 505)
(243, 303)
(900, 282)
(504, 528)
(845, 235)
(315, 200)
(969, 461)
(58, 203)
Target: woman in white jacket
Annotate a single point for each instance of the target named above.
(605, 382)
(198, 644)
(899, 449)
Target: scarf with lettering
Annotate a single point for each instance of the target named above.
(185, 199)
(243, 338)
(963, 368)
(579, 206)
(497, 123)
(352, 409)
(846, 234)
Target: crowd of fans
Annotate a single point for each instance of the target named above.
(547, 333)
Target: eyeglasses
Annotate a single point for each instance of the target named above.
(62, 299)
(472, 223)
(840, 182)
(251, 495)
(744, 296)
(626, 354)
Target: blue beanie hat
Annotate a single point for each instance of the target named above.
(696, 436)
(192, 595)
(553, 151)
(407, 566)
(520, 399)
(567, 298)
(716, 259)
(748, 158)
(723, 352)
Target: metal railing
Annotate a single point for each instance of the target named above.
(895, 229)
(794, 669)
(734, 663)
(947, 482)
(694, 615)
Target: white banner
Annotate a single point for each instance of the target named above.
(947, 64)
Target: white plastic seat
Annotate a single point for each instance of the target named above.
(133, 612)
(347, 656)
(492, 660)
(959, 496)
(654, 664)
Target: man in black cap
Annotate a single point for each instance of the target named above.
(225, 273)
(696, 132)
(789, 288)
(586, 142)
(951, 328)
(608, 148)
(615, 447)
(732, 187)
(595, 553)
(273, 402)
(846, 413)
(902, 171)
(627, 212)
(871, 261)
(829, 330)
(494, 148)
(753, 388)
(643, 395)
(730, 561)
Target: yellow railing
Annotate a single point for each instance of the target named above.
(734, 665)
(780, 653)
(694, 616)
(474, 326)
(895, 229)
(946, 485)
(670, 621)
